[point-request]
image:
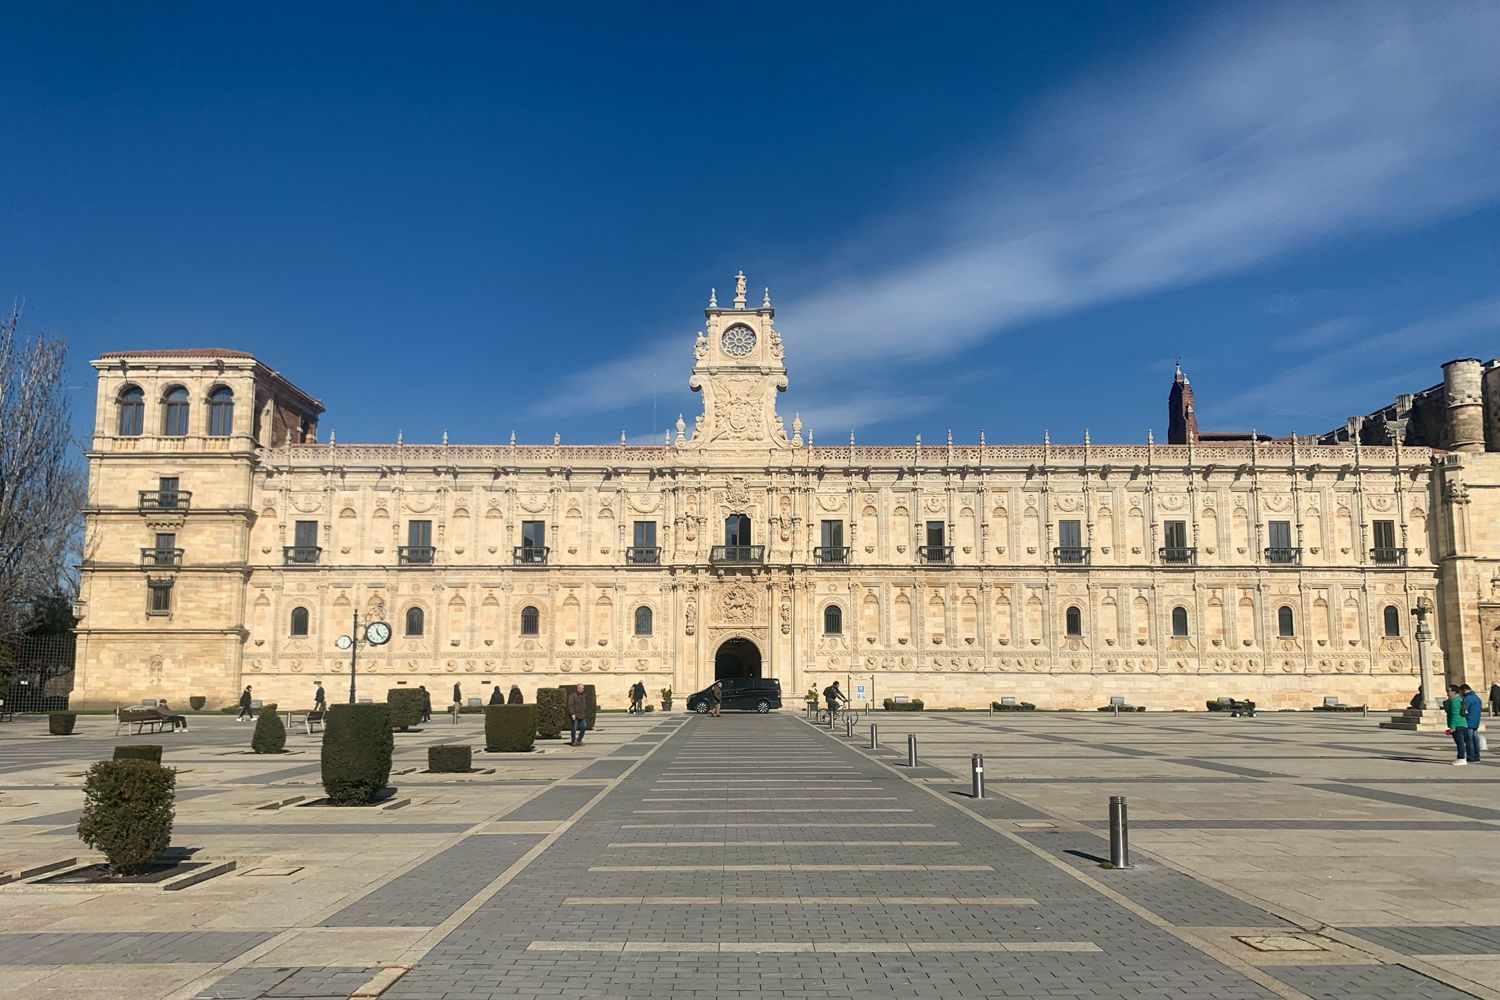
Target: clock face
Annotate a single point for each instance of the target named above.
(379, 633)
(739, 340)
(343, 642)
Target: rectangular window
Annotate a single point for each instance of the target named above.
(159, 597)
(304, 543)
(833, 534)
(1069, 534)
(645, 535)
(935, 533)
(166, 549)
(1385, 534)
(1176, 534)
(643, 550)
(1281, 534)
(166, 492)
(533, 534)
(419, 534)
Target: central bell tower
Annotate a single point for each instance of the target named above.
(739, 370)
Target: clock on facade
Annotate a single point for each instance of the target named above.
(378, 634)
(738, 341)
(343, 642)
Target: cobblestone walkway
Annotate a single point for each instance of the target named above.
(756, 857)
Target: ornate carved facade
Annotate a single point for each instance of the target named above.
(226, 545)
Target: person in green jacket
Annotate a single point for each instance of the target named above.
(1453, 706)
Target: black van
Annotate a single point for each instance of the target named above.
(758, 693)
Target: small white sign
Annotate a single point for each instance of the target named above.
(859, 692)
(903, 699)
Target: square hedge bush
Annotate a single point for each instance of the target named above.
(406, 707)
(551, 713)
(142, 751)
(357, 748)
(450, 758)
(509, 728)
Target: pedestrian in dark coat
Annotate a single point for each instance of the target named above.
(245, 712)
(578, 705)
(496, 698)
(515, 695)
(426, 703)
(1495, 699)
(1473, 710)
(458, 694)
(320, 700)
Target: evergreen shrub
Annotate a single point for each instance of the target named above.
(61, 723)
(127, 811)
(357, 747)
(452, 758)
(1022, 706)
(270, 731)
(551, 713)
(892, 705)
(144, 751)
(406, 707)
(509, 728)
(196, 702)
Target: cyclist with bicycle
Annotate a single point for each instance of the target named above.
(832, 696)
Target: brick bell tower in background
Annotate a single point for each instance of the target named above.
(1182, 421)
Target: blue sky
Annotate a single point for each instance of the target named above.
(992, 216)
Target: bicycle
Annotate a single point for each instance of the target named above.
(842, 712)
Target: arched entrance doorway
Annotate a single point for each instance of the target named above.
(737, 658)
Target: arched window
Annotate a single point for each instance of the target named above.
(174, 412)
(1392, 620)
(1179, 620)
(833, 620)
(531, 621)
(1284, 622)
(299, 621)
(132, 406)
(220, 412)
(642, 620)
(416, 622)
(1075, 621)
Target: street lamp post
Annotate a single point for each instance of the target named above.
(376, 633)
(1424, 651)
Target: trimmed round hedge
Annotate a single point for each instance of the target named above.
(270, 731)
(127, 811)
(451, 758)
(551, 713)
(357, 748)
(61, 723)
(196, 702)
(406, 707)
(509, 728)
(140, 751)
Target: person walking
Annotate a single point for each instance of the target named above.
(1473, 710)
(638, 696)
(578, 704)
(426, 703)
(458, 694)
(245, 712)
(718, 698)
(496, 698)
(515, 696)
(320, 700)
(1458, 724)
(1495, 699)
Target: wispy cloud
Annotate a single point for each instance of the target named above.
(1352, 377)
(1320, 334)
(1243, 141)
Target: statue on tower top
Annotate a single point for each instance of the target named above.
(739, 290)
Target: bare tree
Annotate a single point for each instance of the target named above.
(41, 486)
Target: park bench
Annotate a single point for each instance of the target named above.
(140, 718)
(1239, 708)
(314, 720)
(6, 712)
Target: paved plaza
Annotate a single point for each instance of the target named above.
(759, 856)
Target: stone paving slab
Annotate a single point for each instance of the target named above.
(148, 947)
(431, 892)
(268, 983)
(1461, 939)
(1366, 982)
(555, 803)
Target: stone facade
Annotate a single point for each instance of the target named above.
(957, 573)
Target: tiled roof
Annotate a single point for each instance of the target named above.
(181, 352)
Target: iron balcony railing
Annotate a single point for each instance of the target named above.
(178, 500)
(643, 555)
(1071, 555)
(1283, 556)
(415, 555)
(1388, 557)
(738, 554)
(935, 555)
(1179, 555)
(531, 555)
(831, 555)
(301, 555)
(161, 558)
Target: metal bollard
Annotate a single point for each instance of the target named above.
(832, 718)
(911, 750)
(874, 739)
(976, 765)
(992, 709)
(849, 728)
(1119, 833)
